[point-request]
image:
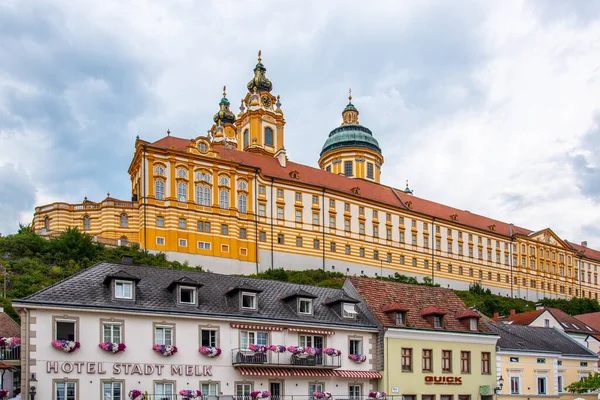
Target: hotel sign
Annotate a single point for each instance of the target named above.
(100, 368)
(443, 380)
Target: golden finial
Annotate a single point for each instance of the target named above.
(407, 183)
(224, 91)
(168, 132)
(350, 95)
(259, 54)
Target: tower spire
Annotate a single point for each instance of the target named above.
(350, 113)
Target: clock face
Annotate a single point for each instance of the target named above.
(266, 101)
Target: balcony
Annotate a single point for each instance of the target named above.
(12, 353)
(245, 357)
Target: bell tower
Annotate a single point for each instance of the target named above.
(260, 123)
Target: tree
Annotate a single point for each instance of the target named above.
(590, 383)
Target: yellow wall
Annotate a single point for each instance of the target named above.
(413, 383)
(527, 368)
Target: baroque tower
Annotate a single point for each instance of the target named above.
(351, 149)
(260, 123)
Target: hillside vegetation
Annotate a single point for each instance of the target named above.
(33, 263)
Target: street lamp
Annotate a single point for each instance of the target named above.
(32, 386)
(499, 385)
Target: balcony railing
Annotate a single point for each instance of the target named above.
(248, 357)
(10, 353)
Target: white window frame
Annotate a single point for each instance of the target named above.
(112, 385)
(209, 389)
(193, 291)
(518, 378)
(182, 242)
(123, 295)
(164, 329)
(160, 241)
(309, 306)
(252, 337)
(212, 341)
(249, 295)
(164, 393)
(66, 383)
(537, 383)
(349, 310)
(224, 199)
(242, 203)
(473, 324)
(70, 321)
(112, 326)
(354, 391)
(182, 192)
(358, 347)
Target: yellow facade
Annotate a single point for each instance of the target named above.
(521, 373)
(470, 377)
(283, 217)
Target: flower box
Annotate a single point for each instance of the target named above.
(277, 348)
(322, 395)
(330, 351)
(260, 394)
(68, 346)
(377, 395)
(164, 349)
(358, 358)
(3, 394)
(112, 347)
(257, 348)
(135, 394)
(210, 351)
(190, 394)
(9, 342)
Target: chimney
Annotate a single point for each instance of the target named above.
(281, 157)
(496, 315)
(584, 243)
(512, 311)
(126, 260)
(539, 306)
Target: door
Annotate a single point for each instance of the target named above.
(276, 390)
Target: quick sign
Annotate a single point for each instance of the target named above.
(443, 380)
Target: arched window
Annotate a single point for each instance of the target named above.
(224, 198)
(269, 136)
(203, 195)
(123, 240)
(86, 223)
(182, 192)
(159, 190)
(202, 146)
(242, 203)
(181, 173)
(223, 180)
(207, 177)
(243, 185)
(246, 138)
(158, 170)
(47, 223)
(123, 220)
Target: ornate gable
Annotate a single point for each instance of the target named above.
(546, 236)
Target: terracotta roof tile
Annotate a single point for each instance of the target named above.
(394, 306)
(432, 310)
(468, 313)
(567, 322)
(591, 319)
(585, 251)
(417, 297)
(8, 327)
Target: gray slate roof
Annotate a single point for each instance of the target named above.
(537, 339)
(86, 290)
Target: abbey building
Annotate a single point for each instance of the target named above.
(231, 201)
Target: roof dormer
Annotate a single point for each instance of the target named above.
(301, 301)
(470, 319)
(396, 311)
(185, 290)
(122, 285)
(434, 316)
(344, 305)
(247, 296)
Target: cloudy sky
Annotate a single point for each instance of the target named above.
(490, 106)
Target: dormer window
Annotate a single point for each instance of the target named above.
(349, 310)
(124, 290)
(400, 318)
(473, 324)
(248, 301)
(437, 321)
(187, 295)
(305, 306)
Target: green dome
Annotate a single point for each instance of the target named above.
(350, 107)
(350, 135)
(224, 114)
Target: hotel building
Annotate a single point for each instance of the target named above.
(150, 309)
(233, 200)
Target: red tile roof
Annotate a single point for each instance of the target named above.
(591, 319)
(394, 306)
(8, 327)
(432, 310)
(269, 166)
(468, 313)
(567, 322)
(377, 294)
(585, 251)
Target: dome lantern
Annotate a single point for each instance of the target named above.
(225, 115)
(260, 82)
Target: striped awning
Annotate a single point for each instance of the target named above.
(358, 374)
(257, 327)
(313, 331)
(307, 372)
